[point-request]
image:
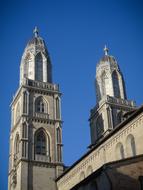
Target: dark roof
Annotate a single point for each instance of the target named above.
(94, 146)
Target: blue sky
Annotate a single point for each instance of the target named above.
(75, 32)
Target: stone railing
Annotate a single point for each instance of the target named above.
(39, 84)
(42, 158)
(120, 101)
(41, 115)
(110, 99)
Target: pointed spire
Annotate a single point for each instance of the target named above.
(36, 32)
(106, 50)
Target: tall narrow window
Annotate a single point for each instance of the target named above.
(116, 86)
(59, 154)
(25, 105)
(40, 105)
(39, 67)
(41, 143)
(130, 145)
(57, 108)
(104, 84)
(16, 148)
(120, 151)
(24, 131)
(58, 135)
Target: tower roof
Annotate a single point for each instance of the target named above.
(107, 58)
(37, 42)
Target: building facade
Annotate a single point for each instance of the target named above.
(35, 159)
(115, 156)
(114, 160)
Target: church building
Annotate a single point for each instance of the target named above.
(114, 160)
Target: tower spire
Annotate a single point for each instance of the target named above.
(106, 50)
(36, 31)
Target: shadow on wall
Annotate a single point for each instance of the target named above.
(126, 174)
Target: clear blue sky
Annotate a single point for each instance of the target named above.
(75, 32)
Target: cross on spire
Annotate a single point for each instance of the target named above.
(106, 50)
(36, 32)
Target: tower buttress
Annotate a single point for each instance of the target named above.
(111, 98)
(35, 159)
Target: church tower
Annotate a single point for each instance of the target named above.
(35, 159)
(111, 98)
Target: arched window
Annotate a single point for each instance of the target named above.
(17, 111)
(99, 126)
(120, 151)
(39, 67)
(116, 86)
(130, 145)
(42, 143)
(40, 105)
(57, 108)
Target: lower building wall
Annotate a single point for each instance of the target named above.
(44, 178)
(121, 175)
(105, 153)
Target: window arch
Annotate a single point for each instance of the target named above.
(130, 145)
(39, 67)
(42, 143)
(120, 151)
(40, 105)
(116, 86)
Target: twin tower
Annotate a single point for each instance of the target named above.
(35, 159)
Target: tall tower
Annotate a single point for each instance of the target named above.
(35, 158)
(111, 98)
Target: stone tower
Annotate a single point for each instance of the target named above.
(111, 98)
(35, 158)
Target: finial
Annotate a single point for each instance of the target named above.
(36, 31)
(106, 50)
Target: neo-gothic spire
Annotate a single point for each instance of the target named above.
(36, 32)
(35, 63)
(106, 50)
(111, 99)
